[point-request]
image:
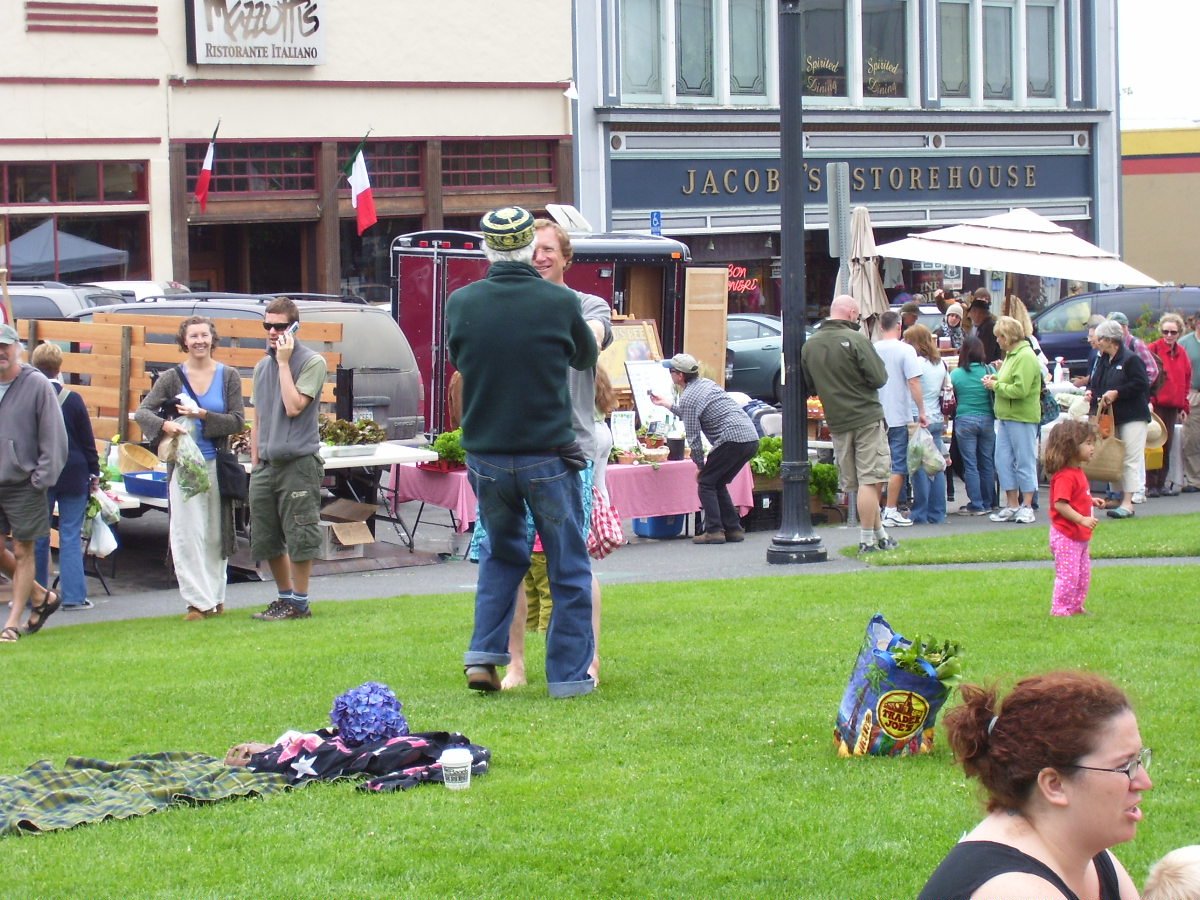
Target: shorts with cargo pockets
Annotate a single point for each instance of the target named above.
(23, 512)
(285, 509)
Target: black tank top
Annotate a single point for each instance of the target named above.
(973, 863)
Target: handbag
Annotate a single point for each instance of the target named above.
(232, 481)
(1050, 408)
(605, 534)
(949, 399)
(1108, 460)
(1103, 420)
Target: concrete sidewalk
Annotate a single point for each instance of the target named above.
(143, 586)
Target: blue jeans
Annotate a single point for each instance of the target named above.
(1016, 456)
(929, 491)
(73, 583)
(504, 485)
(976, 439)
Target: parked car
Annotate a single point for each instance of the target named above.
(140, 290)
(386, 385)
(754, 354)
(55, 300)
(1062, 327)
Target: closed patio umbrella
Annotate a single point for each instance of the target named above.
(866, 284)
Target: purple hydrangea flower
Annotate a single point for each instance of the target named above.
(369, 712)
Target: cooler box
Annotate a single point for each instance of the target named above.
(659, 526)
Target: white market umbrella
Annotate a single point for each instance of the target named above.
(866, 284)
(1022, 242)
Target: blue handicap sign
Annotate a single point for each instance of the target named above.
(655, 222)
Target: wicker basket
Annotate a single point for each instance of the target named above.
(132, 458)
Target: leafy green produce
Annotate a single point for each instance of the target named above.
(448, 446)
(769, 459)
(946, 659)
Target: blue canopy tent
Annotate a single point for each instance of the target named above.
(33, 254)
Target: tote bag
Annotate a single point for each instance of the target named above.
(1108, 461)
(606, 533)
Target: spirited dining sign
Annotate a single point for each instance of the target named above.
(256, 32)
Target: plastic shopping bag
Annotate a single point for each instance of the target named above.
(106, 507)
(923, 453)
(103, 540)
(191, 470)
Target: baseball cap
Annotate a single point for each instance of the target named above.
(912, 308)
(510, 228)
(8, 335)
(682, 362)
(1119, 317)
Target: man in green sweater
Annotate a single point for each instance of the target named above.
(514, 337)
(841, 367)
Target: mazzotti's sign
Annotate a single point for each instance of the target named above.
(256, 32)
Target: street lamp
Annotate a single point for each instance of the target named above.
(795, 542)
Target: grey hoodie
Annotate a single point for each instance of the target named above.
(33, 438)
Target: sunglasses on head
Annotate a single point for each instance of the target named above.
(276, 326)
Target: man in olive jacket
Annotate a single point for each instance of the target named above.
(842, 368)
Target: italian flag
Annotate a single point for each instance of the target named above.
(360, 189)
(206, 171)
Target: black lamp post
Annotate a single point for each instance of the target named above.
(795, 542)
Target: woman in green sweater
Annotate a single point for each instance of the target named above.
(1018, 390)
(975, 428)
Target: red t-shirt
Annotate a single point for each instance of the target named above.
(1071, 484)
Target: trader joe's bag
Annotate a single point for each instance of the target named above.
(886, 711)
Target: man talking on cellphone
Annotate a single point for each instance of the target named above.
(285, 481)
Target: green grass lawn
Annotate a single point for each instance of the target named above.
(703, 768)
(1172, 535)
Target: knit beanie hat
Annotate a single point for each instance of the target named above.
(954, 309)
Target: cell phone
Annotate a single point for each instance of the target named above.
(293, 328)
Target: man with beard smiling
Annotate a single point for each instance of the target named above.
(33, 439)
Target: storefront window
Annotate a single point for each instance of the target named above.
(392, 165)
(747, 47)
(364, 262)
(475, 164)
(750, 288)
(77, 248)
(693, 48)
(954, 49)
(824, 48)
(641, 59)
(255, 168)
(997, 53)
(884, 49)
(1040, 41)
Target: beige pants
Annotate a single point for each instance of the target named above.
(1191, 442)
(196, 543)
(1134, 436)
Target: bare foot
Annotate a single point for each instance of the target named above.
(514, 676)
(594, 670)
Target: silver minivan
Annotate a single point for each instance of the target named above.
(377, 378)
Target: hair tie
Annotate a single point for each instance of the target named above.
(991, 725)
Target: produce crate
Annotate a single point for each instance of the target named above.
(147, 484)
(659, 526)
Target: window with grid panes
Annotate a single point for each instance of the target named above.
(73, 182)
(255, 168)
(392, 165)
(497, 164)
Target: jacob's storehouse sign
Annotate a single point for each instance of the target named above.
(683, 183)
(256, 32)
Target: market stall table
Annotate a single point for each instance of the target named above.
(636, 491)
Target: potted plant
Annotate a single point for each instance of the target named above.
(822, 485)
(765, 464)
(451, 455)
(650, 439)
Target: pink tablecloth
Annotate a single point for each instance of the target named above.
(636, 491)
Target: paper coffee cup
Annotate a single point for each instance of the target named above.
(456, 767)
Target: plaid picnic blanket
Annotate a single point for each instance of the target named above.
(43, 798)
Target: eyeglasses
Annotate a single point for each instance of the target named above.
(1170, 331)
(276, 326)
(1142, 760)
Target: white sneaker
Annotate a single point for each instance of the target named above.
(1025, 516)
(893, 518)
(1005, 515)
(1139, 497)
